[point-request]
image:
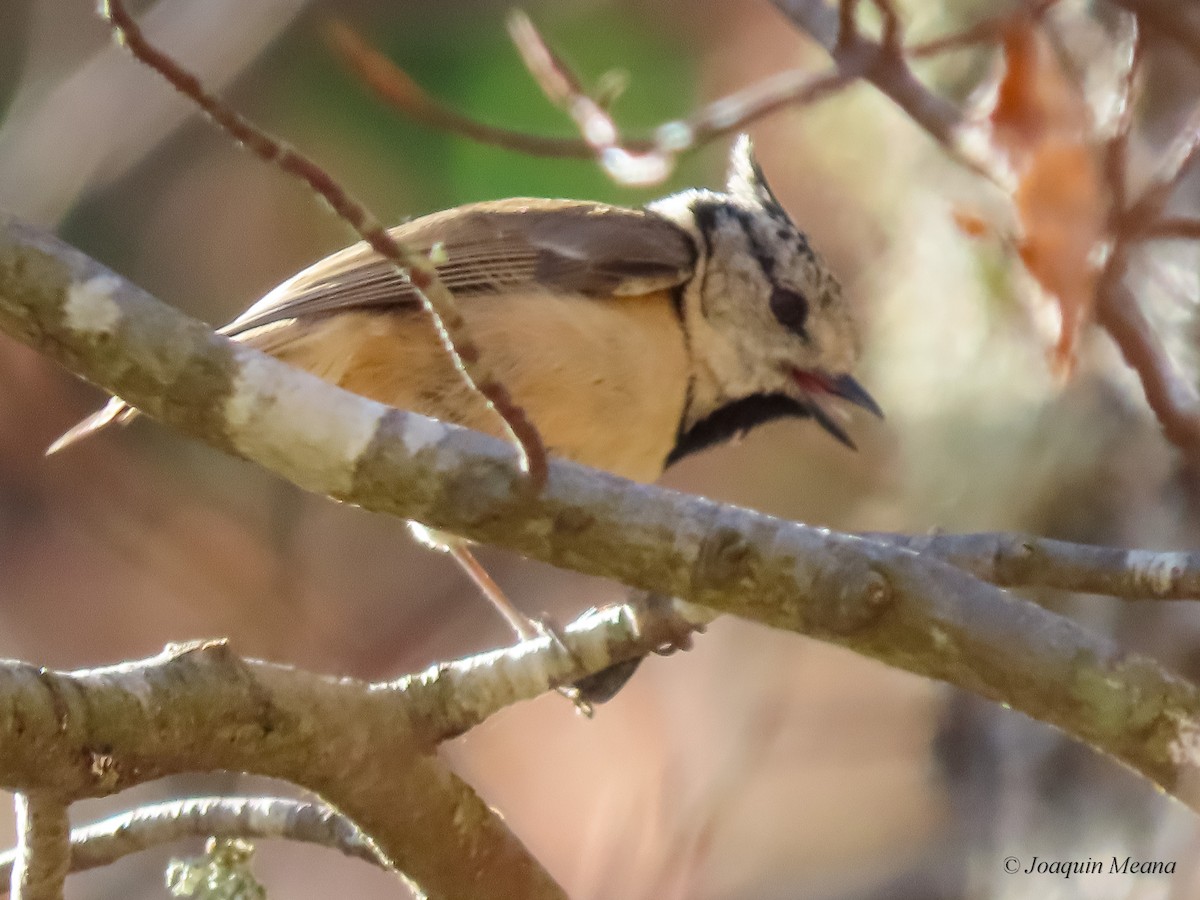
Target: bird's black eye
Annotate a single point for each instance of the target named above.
(790, 310)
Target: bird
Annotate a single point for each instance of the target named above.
(632, 337)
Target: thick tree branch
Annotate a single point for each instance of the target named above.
(363, 748)
(94, 732)
(887, 602)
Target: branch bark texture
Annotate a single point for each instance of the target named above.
(95, 732)
(254, 818)
(887, 602)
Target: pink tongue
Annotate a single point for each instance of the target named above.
(812, 382)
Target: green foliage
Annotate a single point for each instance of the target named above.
(469, 63)
(222, 873)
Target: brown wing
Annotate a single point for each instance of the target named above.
(568, 246)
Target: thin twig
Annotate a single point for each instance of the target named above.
(885, 65)
(1176, 163)
(727, 114)
(893, 29)
(1173, 400)
(397, 88)
(1180, 228)
(594, 122)
(43, 851)
(847, 23)
(256, 818)
(1116, 149)
(985, 31)
(1170, 19)
(436, 299)
(1170, 396)
(1026, 561)
(790, 88)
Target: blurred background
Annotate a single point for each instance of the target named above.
(759, 765)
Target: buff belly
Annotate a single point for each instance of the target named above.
(605, 381)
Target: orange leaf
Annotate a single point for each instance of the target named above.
(1062, 206)
(1041, 122)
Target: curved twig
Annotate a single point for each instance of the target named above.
(256, 818)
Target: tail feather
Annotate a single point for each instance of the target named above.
(116, 411)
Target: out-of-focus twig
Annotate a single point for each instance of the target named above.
(1172, 398)
(647, 160)
(1169, 18)
(1181, 228)
(985, 31)
(437, 300)
(730, 113)
(650, 162)
(256, 818)
(885, 65)
(396, 87)
(1178, 160)
(594, 122)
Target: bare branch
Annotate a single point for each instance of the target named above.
(790, 88)
(1172, 228)
(1176, 163)
(893, 28)
(449, 699)
(892, 604)
(1021, 560)
(885, 66)
(594, 122)
(985, 31)
(1170, 19)
(43, 849)
(436, 299)
(1116, 149)
(727, 114)
(847, 24)
(257, 818)
(394, 86)
(98, 731)
(1171, 397)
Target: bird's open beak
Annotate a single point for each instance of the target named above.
(848, 388)
(844, 387)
